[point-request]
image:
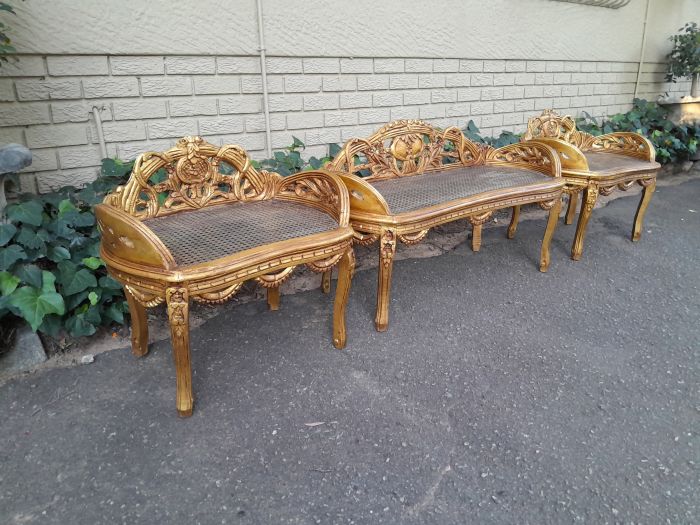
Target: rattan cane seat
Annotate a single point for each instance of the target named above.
(608, 163)
(406, 194)
(210, 233)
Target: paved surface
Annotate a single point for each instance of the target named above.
(499, 395)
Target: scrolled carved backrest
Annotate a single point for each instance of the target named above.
(193, 174)
(407, 147)
(552, 125)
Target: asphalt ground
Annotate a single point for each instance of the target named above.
(498, 395)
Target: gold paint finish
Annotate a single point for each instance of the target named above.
(195, 175)
(407, 148)
(617, 172)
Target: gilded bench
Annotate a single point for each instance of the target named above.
(409, 177)
(596, 165)
(197, 221)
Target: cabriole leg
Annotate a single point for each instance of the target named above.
(571, 209)
(345, 272)
(590, 195)
(139, 325)
(178, 314)
(326, 281)
(549, 232)
(273, 298)
(513, 226)
(387, 249)
(649, 187)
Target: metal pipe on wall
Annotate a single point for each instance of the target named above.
(263, 72)
(641, 55)
(100, 132)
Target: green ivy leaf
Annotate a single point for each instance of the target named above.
(93, 262)
(93, 298)
(74, 281)
(57, 253)
(29, 239)
(65, 206)
(8, 283)
(109, 282)
(28, 212)
(10, 255)
(78, 326)
(34, 303)
(30, 274)
(51, 324)
(7, 231)
(115, 313)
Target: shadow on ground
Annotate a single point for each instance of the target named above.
(498, 395)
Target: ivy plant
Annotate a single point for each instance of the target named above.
(673, 143)
(51, 275)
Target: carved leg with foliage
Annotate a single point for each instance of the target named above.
(326, 281)
(273, 298)
(571, 209)
(649, 187)
(387, 249)
(346, 269)
(139, 325)
(178, 314)
(554, 210)
(513, 226)
(590, 195)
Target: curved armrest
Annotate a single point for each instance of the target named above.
(363, 196)
(530, 154)
(570, 156)
(320, 188)
(126, 238)
(625, 143)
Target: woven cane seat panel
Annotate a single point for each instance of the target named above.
(210, 233)
(609, 163)
(420, 191)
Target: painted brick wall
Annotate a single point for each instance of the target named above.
(149, 101)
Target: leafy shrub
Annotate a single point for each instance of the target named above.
(51, 274)
(471, 131)
(290, 161)
(673, 143)
(5, 42)
(684, 58)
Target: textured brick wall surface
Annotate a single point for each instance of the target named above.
(147, 102)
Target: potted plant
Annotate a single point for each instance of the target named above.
(684, 58)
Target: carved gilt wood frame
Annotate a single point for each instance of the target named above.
(193, 175)
(560, 133)
(405, 148)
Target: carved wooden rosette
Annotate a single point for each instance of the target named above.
(404, 148)
(194, 178)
